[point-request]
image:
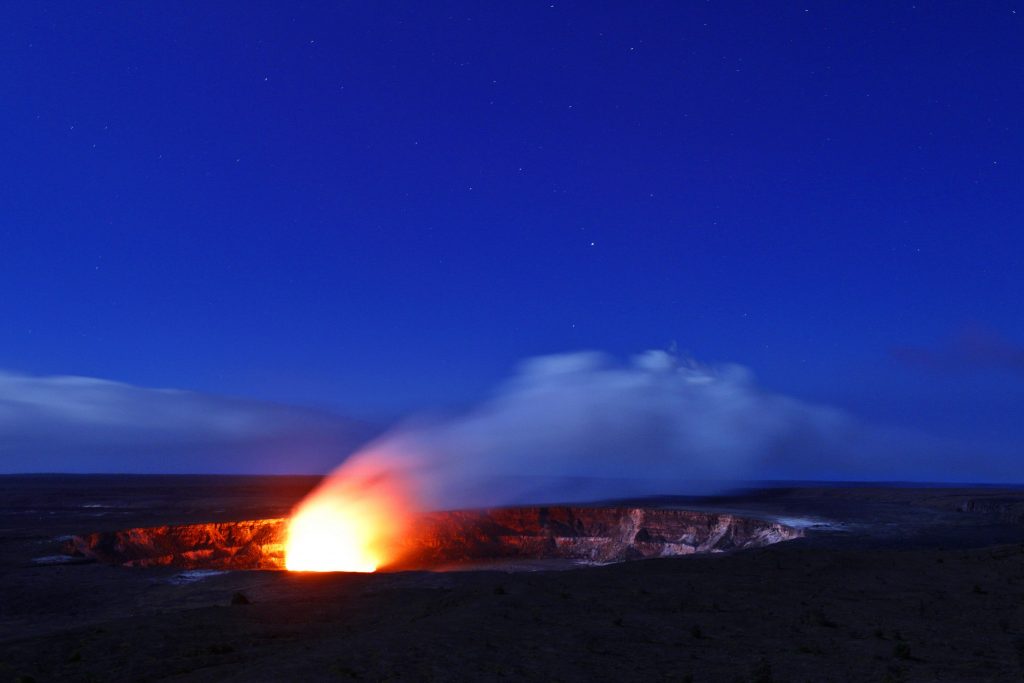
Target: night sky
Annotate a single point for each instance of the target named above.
(375, 209)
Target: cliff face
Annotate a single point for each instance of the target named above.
(445, 538)
(592, 534)
(254, 544)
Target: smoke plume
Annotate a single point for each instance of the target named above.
(581, 426)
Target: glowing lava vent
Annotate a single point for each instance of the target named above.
(352, 522)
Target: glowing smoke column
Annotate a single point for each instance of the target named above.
(570, 428)
(578, 427)
(354, 520)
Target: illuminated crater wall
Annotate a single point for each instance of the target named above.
(443, 539)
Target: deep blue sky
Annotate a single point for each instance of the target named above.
(381, 207)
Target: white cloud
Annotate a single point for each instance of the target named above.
(68, 423)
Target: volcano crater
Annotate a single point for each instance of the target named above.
(454, 539)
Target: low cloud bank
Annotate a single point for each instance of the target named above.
(83, 424)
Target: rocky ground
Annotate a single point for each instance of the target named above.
(889, 584)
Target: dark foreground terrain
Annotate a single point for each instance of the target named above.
(889, 584)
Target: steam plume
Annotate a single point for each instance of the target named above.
(580, 426)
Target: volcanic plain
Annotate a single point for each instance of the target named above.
(883, 583)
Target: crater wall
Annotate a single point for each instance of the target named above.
(594, 534)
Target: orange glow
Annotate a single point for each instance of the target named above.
(353, 522)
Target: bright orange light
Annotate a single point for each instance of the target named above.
(352, 522)
(327, 537)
